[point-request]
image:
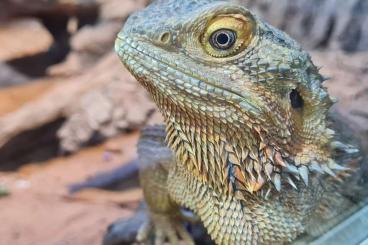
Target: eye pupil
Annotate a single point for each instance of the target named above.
(223, 39)
(296, 99)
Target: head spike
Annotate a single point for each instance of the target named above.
(314, 166)
(304, 173)
(339, 146)
(327, 170)
(268, 193)
(277, 182)
(330, 132)
(333, 99)
(268, 169)
(333, 165)
(291, 182)
(291, 169)
(325, 78)
(278, 159)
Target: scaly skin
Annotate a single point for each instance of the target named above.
(246, 118)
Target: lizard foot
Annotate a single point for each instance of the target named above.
(164, 228)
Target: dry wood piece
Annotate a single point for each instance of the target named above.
(102, 101)
(16, 37)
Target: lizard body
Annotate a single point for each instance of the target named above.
(246, 121)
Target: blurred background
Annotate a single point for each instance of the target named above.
(70, 113)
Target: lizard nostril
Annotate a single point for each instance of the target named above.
(165, 37)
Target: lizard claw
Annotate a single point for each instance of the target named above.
(164, 228)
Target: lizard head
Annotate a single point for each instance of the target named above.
(244, 104)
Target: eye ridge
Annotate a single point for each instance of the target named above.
(223, 39)
(296, 99)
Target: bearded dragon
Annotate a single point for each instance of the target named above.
(247, 144)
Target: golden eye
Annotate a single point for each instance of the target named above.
(227, 35)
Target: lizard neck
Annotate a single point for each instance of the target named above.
(214, 153)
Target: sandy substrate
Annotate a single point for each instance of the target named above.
(39, 210)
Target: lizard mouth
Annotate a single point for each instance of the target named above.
(164, 70)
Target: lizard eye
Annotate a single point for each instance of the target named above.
(227, 35)
(223, 39)
(296, 99)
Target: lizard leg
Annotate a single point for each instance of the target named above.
(165, 217)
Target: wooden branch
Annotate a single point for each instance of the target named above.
(104, 99)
